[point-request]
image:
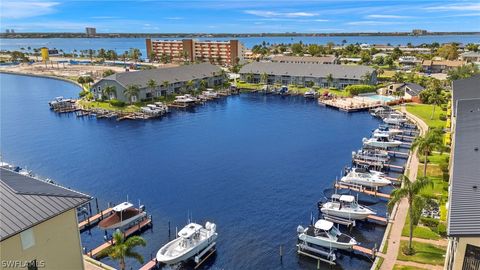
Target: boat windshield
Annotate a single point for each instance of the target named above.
(334, 232)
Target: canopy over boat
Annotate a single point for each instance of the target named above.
(323, 225)
(123, 206)
(347, 198)
(189, 230)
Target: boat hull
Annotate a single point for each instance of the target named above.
(350, 215)
(365, 182)
(188, 254)
(324, 242)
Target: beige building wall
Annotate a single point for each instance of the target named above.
(459, 253)
(56, 243)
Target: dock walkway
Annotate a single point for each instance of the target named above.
(94, 219)
(362, 190)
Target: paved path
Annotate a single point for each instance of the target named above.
(402, 210)
(91, 264)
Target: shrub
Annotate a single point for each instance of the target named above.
(359, 89)
(89, 96)
(117, 103)
(442, 229)
(83, 93)
(429, 222)
(108, 72)
(442, 117)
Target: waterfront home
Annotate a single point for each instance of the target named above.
(406, 90)
(39, 223)
(168, 81)
(440, 66)
(338, 76)
(471, 57)
(330, 59)
(408, 60)
(463, 221)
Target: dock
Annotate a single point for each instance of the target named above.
(94, 219)
(314, 253)
(149, 265)
(382, 220)
(136, 228)
(397, 154)
(369, 252)
(349, 104)
(378, 164)
(362, 190)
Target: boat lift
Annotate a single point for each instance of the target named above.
(317, 254)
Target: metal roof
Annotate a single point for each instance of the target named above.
(465, 89)
(307, 70)
(26, 202)
(414, 89)
(464, 205)
(304, 59)
(170, 74)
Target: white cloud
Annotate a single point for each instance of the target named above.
(19, 10)
(372, 23)
(456, 7)
(380, 16)
(273, 14)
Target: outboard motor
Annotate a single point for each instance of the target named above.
(142, 208)
(300, 229)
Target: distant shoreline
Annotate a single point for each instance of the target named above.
(218, 35)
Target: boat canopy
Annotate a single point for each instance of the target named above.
(323, 224)
(347, 198)
(189, 230)
(121, 207)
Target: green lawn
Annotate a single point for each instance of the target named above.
(424, 112)
(339, 93)
(436, 158)
(435, 174)
(108, 106)
(419, 231)
(380, 262)
(404, 267)
(424, 253)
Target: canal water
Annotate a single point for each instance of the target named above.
(255, 165)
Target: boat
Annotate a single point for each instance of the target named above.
(185, 99)
(389, 130)
(365, 177)
(210, 94)
(191, 240)
(345, 206)
(310, 94)
(371, 155)
(283, 90)
(381, 142)
(123, 215)
(395, 119)
(324, 234)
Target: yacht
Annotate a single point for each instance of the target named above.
(185, 99)
(210, 93)
(381, 142)
(371, 155)
(395, 119)
(310, 94)
(283, 90)
(364, 177)
(345, 206)
(123, 215)
(387, 129)
(324, 234)
(191, 240)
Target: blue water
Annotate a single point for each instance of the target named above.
(380, 97)
(123, 44)
(255, 165)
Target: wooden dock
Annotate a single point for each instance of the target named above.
(136, 228)
(365, 251)
(94, 219)
(362, 190)
(149, 265)
(378, 219)
(348, 104)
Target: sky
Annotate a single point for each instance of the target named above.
(248, 16)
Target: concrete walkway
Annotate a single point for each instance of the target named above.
(402, 210)
(420, 265)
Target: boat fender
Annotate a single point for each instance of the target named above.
(364, 139)
(300, 229)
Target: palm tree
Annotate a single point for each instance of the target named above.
(249, 77)
(131, 91)
(398, 77)
(330, 80)
(135, 54)
(410, 190)
(426, 144)
(124, 248)
(189, 85)
(203, 84)
(264, 78)
(435, 100)
(165, 85)
(366, 78)
(109, 90)
(152, 84)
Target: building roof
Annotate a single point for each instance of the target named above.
(464, 205)
(413, 89)
(470, 54)
(307, 70)
(465, 89)
(305, 59)
(448, 63)
(26, 202)
(170, 74)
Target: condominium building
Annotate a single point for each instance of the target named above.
(224, 53)
(90, 31)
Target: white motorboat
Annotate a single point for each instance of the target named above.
(366, 178)
(310, 94)
(210, 93)
(123, 215)
(389, 130)
(371, 155)
(185, 99)
(345, 206)
(192, 240)
(381, 142)
(395, 119)
(324, 234)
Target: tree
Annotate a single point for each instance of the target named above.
(189, 85)
(398, 77)
(448, 51)
(472, 47)
(264, 78)
(314, 49)
(410, 190)
(108, 72)
(80, 80)
(102, 53)
(165, 85)
(131, 91)
(152, 84)
(203, 85)
(366, 78)
(330, 80)
(135, 54)
(249, 77)
(91, 53)
(428, 143)
(297, 48)
(366, 57)
(465, 71)
(124, 248)
(109, 91)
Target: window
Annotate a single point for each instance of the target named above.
(134, 98)
(472, 258)
(28, 240)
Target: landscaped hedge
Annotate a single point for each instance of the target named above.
(117, 103)
(360, 89)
